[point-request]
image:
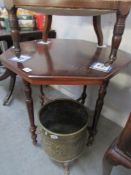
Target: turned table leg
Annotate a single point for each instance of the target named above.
(98, 29)
(98, 109)
(42, 96)
(30, 108)
(83, 96)
(119, 27)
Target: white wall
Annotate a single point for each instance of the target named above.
(1, 3)
(118, 99)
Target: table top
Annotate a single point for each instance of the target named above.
(63, 61)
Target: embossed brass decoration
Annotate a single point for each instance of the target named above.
(64, 129)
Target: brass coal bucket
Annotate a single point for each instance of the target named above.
(64, 129)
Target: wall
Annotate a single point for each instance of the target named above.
(118, 99)
(1, 3)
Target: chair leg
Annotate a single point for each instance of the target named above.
(14, 30)
(121, 16)
(11, 89)
(98, 29)
(47, 27)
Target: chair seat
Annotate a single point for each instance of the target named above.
(64, 61)
(69, 7)
(68, 12)
(93, 4)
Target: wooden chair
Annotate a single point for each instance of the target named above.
(119, 153)
(71, 8)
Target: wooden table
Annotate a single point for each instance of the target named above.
(67, 62)
(64, 62)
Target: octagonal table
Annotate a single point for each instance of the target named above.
(64, 62)
(67, 62)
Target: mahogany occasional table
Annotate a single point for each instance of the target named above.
(67, 62)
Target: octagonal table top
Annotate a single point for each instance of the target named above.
(63, 61)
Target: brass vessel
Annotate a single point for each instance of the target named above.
(64, 129)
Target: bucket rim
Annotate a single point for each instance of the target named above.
(64, 135)
(59, 134)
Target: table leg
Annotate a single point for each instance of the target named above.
(11, 88)
(83, 96)
(98, 109)
(42, 96)
(30, 108)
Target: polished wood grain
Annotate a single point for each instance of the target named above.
(64, 62)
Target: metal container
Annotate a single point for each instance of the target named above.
(64, 129)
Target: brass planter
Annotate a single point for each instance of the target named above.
(64, 129)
